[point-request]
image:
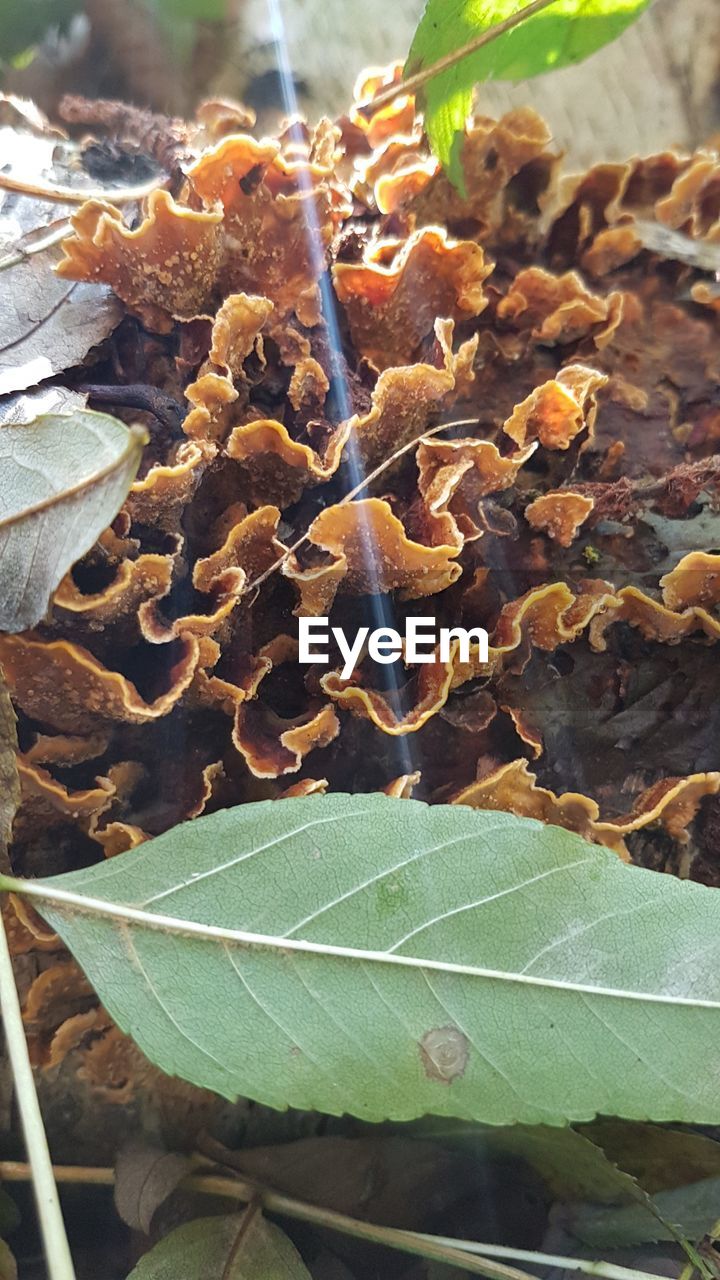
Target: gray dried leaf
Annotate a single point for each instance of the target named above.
(683, 536)
(23, 407)
(702, 254)
(145, 1176)
(63, 478)
(46, 324)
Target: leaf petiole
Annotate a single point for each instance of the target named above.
(420, 79)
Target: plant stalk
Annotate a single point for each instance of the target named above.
(420, 79)
(55, 1242)
(77, 195)
(469, 1255)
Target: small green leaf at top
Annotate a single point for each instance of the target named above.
(566, 32)
(223, 1249)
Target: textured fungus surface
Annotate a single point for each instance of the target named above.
(322, 304)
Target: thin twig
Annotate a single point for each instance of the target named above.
(78, 195)
(286, 1206)
(608, 1270)
(55, 234)
(52, 1227)
(413, 83)
(348, 497)
(139, 395)
(248, 1218)
(469, 1255)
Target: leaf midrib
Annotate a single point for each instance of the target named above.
(136, 437)
(78, 904)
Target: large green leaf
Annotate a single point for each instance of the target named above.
(222, 1249)
(63, 477)
(389, 959)
(566, 32)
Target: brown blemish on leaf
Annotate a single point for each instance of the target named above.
(444, 1054)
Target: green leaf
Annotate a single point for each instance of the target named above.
(23, 24)
(659, 1158)
(692, 1211)
(64, 478)
(203, 1250)
(566, 32)
(9, 1214)
(390, 959)
(570, 1164)
(145, 1177)
(202, 10)
(8, 1265)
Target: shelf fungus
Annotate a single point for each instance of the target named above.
(394, 401)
